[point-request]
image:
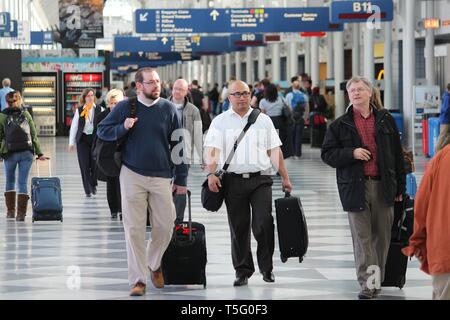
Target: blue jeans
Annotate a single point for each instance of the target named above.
(23, 159)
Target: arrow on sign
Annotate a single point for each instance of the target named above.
(164, 40)
(143, 17)
(214, 14)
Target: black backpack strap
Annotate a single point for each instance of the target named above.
(251, 120)
(133, 108)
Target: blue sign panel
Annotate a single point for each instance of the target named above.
(12, 31)
(5, 18)
(253, 20)
(198, 44)
(361, 11)
(41, 37)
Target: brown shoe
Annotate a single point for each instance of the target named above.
(157, 278)
(138, 290)
(22, 204)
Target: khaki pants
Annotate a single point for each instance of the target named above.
(444, 136)
(441, 286)
(138, 192)
(371, 232)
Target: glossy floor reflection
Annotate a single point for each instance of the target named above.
(85, 258)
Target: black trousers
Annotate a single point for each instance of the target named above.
(249, 208)
(87, 163)
(113, 194)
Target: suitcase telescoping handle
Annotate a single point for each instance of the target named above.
(190, 214)
(49, 167)
(286, 193)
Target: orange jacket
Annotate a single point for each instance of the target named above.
(432, 216)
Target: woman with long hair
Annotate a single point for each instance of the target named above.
(82, 133)
(18, 144)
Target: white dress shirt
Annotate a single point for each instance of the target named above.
(251, 153)
(88, 127)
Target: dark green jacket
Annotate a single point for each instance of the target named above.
(34, 138)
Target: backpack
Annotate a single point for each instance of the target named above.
(17, 133)
(108, 154)
(298, 104)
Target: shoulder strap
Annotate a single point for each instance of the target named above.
(133, 109)
(251, 120)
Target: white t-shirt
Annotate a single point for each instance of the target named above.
(251, 153)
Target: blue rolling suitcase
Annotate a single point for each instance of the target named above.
(46, 199)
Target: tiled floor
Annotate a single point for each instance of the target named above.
(42, 260)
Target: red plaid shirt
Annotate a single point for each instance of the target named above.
(367, 132)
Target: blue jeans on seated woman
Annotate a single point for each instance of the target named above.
(23, 160)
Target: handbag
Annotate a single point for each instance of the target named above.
(212, 201)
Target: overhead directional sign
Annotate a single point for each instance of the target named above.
(5, 18)
(41, 37)
(361, 11)
(242, 20)
(196, 44)
(12, 31)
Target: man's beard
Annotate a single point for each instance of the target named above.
(151, 96)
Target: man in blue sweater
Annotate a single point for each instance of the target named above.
(146, 176)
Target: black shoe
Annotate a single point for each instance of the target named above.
(113, 215)
(88, 195)
(268, 276)
(240, 281)
(94, 190)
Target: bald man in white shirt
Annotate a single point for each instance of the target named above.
(247, 183)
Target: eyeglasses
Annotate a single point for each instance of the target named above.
(356, 90)
(152, 82)
(244, 94)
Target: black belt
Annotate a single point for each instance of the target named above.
(372, 177)
(245, 175)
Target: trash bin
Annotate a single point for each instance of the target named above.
(425, 143)
(433, 135)
(398, 117)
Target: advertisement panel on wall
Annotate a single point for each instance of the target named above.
(80, 23)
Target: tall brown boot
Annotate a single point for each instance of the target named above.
(10, 201)
(22, 204)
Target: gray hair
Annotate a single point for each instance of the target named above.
(6, 82)
(355, 79)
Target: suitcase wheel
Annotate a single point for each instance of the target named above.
(61, 220)
(402, 282)
(283, 258)
(300, 260)
(32, 219)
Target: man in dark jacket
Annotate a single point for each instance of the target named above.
(364, 147)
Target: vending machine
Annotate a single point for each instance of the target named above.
(74, 84)
(41, 94)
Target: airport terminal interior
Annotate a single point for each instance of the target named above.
(51, 50)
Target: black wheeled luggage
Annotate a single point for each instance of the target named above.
(184, 261)
(291, 227)
(46, 198)
(397, 262)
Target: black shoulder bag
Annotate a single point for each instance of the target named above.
(212, 201)
(108, 154)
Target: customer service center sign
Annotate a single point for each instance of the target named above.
(80, 23)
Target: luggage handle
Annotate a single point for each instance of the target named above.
(189, 215)
(49, 167)
(286, 193)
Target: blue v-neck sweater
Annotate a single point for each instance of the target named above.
(148, 148)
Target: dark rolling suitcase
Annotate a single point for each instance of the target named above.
(397, 262)
(184, 261)
(291, 227)
(46, 198)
